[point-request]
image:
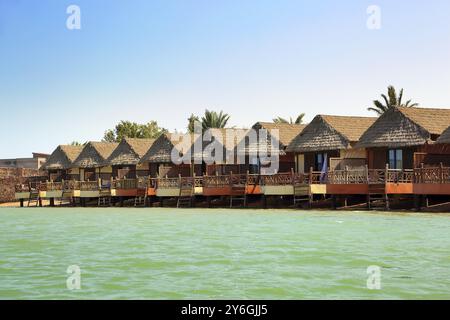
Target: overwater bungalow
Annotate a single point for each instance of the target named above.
(126, 157)
(328, 143)
(404, 138)
(95, 175)
(164, 174)
(158, 158)
(286, 134)
(61, 173)
(403, 156)
(127, 168)
(91, 162)
(60, 163)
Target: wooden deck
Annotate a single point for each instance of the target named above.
(383, 182)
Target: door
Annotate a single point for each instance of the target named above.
(300, 163)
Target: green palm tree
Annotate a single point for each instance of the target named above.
(298, 120)
(390, 101)
(212, 119)
(191, 122)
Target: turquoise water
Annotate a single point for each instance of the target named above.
(162, 253)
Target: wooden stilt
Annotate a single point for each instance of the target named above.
(52, 202)
(417, 201)
(21, 203)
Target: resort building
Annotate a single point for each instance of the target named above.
(404, 138)
(286, 134)
(36, 162)
(328, 143)
(91, 161)
(60, 163)
(126, 157)
(158, 158)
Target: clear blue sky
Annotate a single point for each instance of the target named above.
(162, 60)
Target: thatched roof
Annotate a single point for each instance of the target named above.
(63, 157)
(161, 150)
(445, 137)
(287, 131)
(326, 132)
(94, 154)
(129, 151)
(403, 127)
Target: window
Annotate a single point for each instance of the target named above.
(321, 159)
(396, 159)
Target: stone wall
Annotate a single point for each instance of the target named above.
(9, 177)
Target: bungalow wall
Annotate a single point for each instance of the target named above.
(377, 158)
(93, 174)
(310, 159)
(432, 155)
(287, 162)
(173, 171)
(124, 171)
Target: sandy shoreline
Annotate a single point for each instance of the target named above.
(16, 204)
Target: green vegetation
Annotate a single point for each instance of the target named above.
(390, 101)
(211, 119)
(128, 129)
(298, 120)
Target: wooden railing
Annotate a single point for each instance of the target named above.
(279, 179)
(124, 184)
(89, 185)
(432, 175)
(216, 181)
(347, 177)
(376, 176)
(400, 176)
(168, 183)
(437, 175)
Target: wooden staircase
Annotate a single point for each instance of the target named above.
(377, 197)
(301, 194)
(238, 194)
(34, 196)
(104, 198)
(185, 199)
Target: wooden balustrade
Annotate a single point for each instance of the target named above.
(216, 181)
(432, 175)
(376, 176)
(400, 176)
(436, 175)
(89, 185)
(170, 183)
(124, 184)
(279, 179)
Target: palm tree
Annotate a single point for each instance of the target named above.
(298, 120)
(391, 101)
(212, 119)
(191, 122)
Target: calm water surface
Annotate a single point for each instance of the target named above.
(221, 254)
